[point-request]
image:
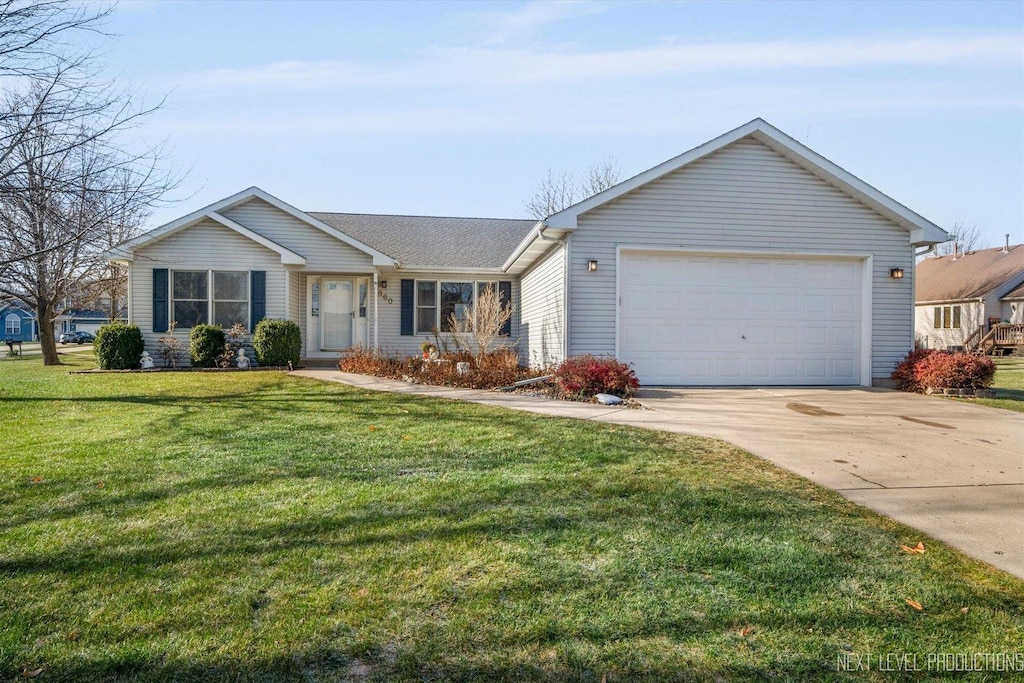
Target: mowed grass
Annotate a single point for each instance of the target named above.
(245, 527)
(1009, 385)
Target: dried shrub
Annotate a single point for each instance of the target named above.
(586, 375)
(955, 371)
(364, 362)
(496, 369)
(903, 375)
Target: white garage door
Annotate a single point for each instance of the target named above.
(727, 320)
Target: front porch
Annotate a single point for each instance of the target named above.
(335, 311)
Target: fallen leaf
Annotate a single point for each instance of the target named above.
(746, 631)
(32, 674)
(406, 437)
(917, 549)
(36, 480)
(73, 635)
(372, 428)
(915, 604)
(965, 610)
(101, 485)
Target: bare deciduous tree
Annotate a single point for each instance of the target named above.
(559, 190)
(482, 323)
(68, 192)
(966, 237)
(69, 187)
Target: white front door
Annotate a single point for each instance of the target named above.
(336, 314)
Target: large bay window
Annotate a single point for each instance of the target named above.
(195, 302)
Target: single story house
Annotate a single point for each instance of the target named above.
(19, 324)
(960, 296)
(749, 260)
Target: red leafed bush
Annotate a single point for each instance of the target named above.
(903, 375)
(588, 375)
(955, 371)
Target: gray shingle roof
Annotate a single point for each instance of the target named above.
(969, 276)
(434, 241)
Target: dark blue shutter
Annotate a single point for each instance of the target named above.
(257, 297)
(160, 301)
(505, 296)
(408, 307)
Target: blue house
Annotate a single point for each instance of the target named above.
(18, 324)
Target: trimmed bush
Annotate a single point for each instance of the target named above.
(276, 342)
(587, 375)
(205, 345)
(904, 376)
(118, 346)
(954, 371)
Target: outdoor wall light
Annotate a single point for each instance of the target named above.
(896, 273)
(592, 265)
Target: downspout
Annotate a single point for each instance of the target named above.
(376, 295)
(929, 249)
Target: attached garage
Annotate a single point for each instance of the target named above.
(725, 319)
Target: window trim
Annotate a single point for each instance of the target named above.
(210, 300)
(10, 330)
(947, 317)
(496, 284)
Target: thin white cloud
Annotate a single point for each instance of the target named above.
(500, 67)
(528, 20)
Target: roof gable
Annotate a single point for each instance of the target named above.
(215, 211)
(973, 275)
(921, 230)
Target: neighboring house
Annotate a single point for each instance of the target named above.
(748, 260)
(81, 320)
(959, 298)
(19, 324)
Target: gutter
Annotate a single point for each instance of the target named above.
(536, 233)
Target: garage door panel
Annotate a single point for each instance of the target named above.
(736, 320)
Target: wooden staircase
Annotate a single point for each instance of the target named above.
(1002, 339)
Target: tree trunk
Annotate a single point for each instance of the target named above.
(47, 341)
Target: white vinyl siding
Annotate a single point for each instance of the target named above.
(323, 252)
(745, 197)
(542, 321)
(972, 316)
(205, 246)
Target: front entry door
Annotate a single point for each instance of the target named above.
(336, 314)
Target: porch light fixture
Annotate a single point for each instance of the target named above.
(896, 273)
(592, 265)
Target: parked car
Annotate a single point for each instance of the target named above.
(76, 338)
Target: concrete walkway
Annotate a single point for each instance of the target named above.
(952, 470)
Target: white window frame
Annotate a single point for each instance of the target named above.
(437, 300)
(11, 330)
(210, 300)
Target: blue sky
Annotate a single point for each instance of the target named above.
(460, 108)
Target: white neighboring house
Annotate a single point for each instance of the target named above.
(749, 260)
(959, 298)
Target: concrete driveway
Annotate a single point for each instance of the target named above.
(952, 470)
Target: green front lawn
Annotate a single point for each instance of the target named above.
(260, 527)
(1009, 385)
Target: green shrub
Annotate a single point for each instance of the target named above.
(276, 342)
(118, 346)
(205, 345)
